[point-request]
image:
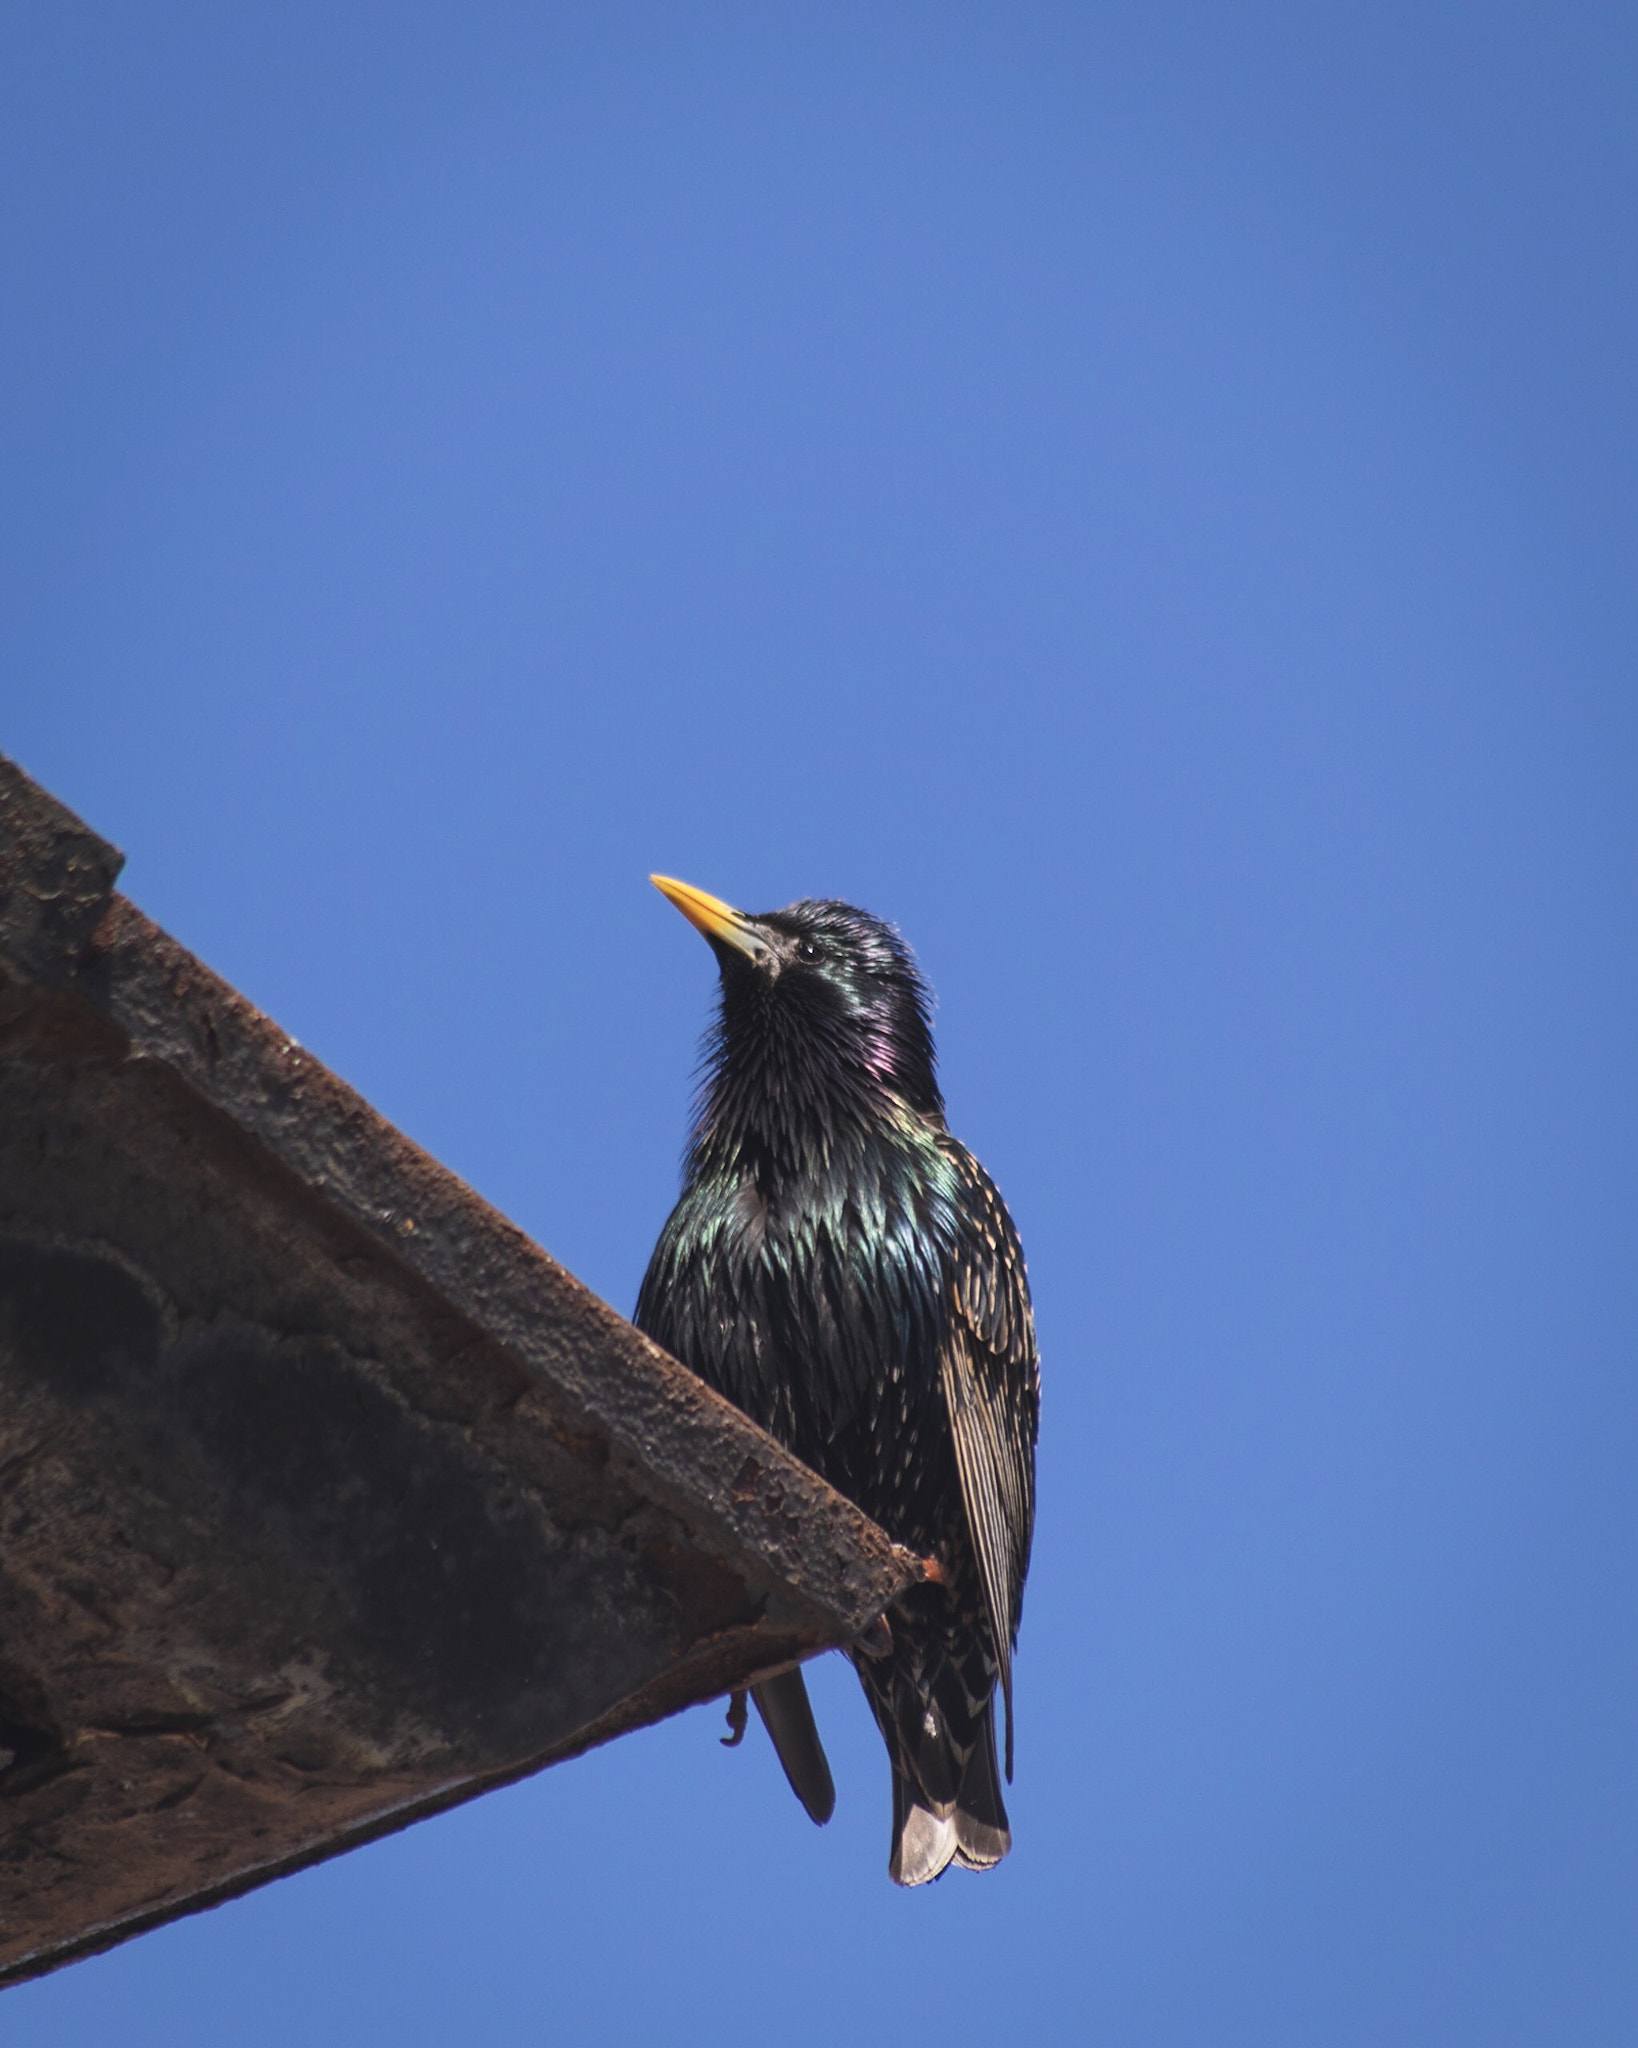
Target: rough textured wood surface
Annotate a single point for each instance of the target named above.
(327, 1499)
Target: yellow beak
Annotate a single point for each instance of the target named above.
(715, 920)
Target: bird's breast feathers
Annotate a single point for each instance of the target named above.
(834, 1278)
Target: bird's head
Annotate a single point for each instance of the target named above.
(822, 1004)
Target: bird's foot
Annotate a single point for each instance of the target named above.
(739, 1714)
(877, 1640)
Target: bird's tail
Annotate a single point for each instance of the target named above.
(787, 1714)
(969, 1830)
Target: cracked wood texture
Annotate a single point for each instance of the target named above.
(327, 1499)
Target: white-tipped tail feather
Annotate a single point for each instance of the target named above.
(970, 1830)
(929, 1842)
(978, 1845)
(926, 1845)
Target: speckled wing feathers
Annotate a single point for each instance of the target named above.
(989, 1373)
(845, 1272)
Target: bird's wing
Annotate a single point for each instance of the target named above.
(787, 1714)
(991, 1382)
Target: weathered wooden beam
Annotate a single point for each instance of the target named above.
(327, 1499)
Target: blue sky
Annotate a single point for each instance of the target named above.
(1144, 497)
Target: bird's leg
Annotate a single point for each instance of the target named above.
(739, 1714)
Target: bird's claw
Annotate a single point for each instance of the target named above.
(738, 1715)
(877, 1640)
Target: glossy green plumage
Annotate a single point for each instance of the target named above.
(840, 1268)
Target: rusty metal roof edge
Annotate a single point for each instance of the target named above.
(688, 1686)
(63, 927)
(56, 876)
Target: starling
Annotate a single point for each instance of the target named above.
(846, 1273)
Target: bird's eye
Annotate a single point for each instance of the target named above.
(807, 951)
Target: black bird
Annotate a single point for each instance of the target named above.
(846, 1273)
